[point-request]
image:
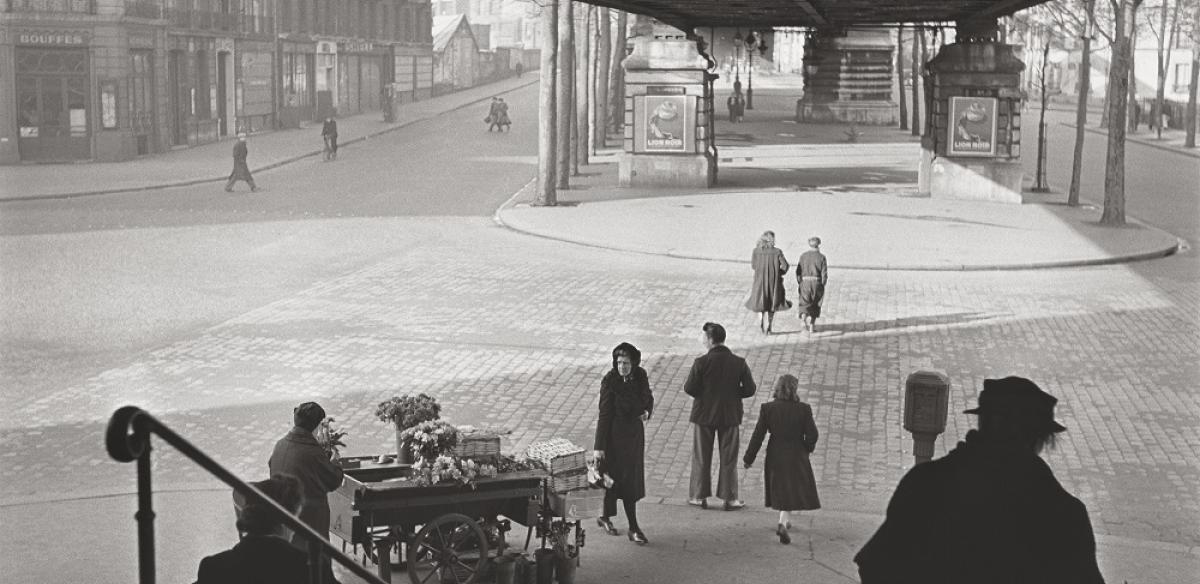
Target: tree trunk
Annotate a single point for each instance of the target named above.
(1118, 84)
(547, 130)
(616, 76)
(1163, 64)
(582, 59)
(566, 90)
(1040, 185)
(1081, 109)
(916, 73)
(603, 60)
(1135, 112)
(900, 77)
(1190, 118)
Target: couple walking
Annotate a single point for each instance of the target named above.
(767, 293)
(718, 382)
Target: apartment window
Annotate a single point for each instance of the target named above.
(1182, 78)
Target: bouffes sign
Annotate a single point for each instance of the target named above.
(971, 143)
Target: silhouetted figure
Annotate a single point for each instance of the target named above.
(264, 555)
(812, 272)
(241, 170)
(329, 133)
(990, 511)
(300, 455)
(717, 382)
(520, 68)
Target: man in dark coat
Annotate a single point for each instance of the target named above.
(241, 171)
(300, 455)
(626, 402)
(264, 555)
(812, 273)
(329, 133)
(718, 382)
(990, 511)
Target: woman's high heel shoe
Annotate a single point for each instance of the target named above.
(636, 536)
(781, 531)
(606, 524)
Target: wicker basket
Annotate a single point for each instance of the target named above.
(578, 504)
(558, 455)
(478, 446)
(571, 481)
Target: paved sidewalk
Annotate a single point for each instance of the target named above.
(857, 200)
(212, 162)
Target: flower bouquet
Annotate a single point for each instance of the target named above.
(404, 412)
(329, 436)
(450, 469)
(430, 440)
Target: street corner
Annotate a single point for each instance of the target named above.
(861, 230)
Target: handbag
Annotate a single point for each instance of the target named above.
(597, 478)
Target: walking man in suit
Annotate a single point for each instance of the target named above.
(718, 382)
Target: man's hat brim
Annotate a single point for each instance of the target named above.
(1054, 426)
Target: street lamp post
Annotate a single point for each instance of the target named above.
(751, 42)
(737, 60)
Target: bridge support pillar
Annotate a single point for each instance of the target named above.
(668, 126)
(848, 78)
(971, 147)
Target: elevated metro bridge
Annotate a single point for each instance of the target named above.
(821, 14)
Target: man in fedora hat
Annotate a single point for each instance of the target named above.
(241, 170)
(991, 510)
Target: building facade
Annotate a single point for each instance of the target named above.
(110, 80)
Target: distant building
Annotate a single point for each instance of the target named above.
(109, 80)
(455, 53)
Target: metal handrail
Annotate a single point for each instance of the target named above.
(128, 439)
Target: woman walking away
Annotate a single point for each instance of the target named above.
(811, 274)
(767, 291)
(787, 474)
(625, 405)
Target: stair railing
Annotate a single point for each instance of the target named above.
(128, 439)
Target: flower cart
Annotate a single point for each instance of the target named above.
(448, 531)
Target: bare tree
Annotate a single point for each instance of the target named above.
(1135, 112)
(916, 69)
(1118, 82)
(616, 76)
(1085, 85)
(900, 76)
(565, 89)
(1040, 185)
(603, 60)
(1190, 118)
(1166, 39)
(546, 192)
(583, 56)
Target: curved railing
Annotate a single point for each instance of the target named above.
(128, 439)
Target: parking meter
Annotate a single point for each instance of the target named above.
(926, 401)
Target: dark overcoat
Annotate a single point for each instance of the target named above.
(718, 382)
(256, 559)
(241, 171)
(300, 455)
(986, 514)
(620, 431)
(812, 266)
(767, 293)
(788, 475)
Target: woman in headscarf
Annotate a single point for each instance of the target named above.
(625, 404)
(787, 474)
(767, 291)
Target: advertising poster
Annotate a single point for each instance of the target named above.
(664, 123)
(972, 126)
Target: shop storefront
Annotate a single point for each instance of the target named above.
(297, 86)
(53, 76)
(360, 76)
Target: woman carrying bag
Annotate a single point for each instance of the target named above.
(625, 404)
(787, 474)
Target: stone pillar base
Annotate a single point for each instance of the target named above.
(666, 170)
(983, 180)
(867, 113)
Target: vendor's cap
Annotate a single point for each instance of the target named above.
(1020, 396)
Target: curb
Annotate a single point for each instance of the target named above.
(1194, 153)
(273, 165)
(1157, 253)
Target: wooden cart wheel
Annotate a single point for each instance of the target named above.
(450, 550)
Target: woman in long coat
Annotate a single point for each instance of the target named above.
(767, 292)
(788, 475)
(625, 404)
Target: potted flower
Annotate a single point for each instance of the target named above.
(404, 412)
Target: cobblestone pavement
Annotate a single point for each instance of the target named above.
(513, 332)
